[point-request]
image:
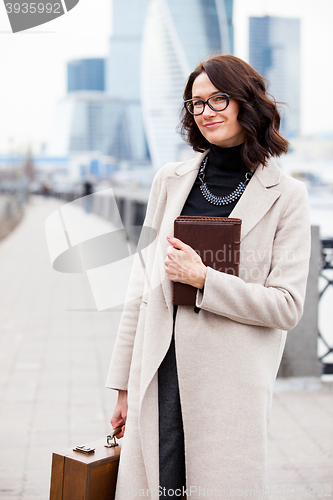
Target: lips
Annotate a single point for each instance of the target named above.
(213, 124)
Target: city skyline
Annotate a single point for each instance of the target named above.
(151, 52)
(34, 63)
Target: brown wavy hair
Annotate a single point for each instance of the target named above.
(258, 113)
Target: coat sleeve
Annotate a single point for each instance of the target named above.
(279, 302)
(122, 352)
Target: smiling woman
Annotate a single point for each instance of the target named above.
(195, 384)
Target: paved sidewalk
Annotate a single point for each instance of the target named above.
(54, 359)
(300, 441)
(54, 355)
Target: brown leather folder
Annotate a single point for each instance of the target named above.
(216, 240)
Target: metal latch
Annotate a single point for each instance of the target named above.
(112, 436)
(84, 449)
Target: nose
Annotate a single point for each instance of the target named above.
(208, 111)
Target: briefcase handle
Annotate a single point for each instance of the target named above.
(112, 436)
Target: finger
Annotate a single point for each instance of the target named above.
(175, 242)
(172, 255)
(121, 433)
(170, 252)
(173, 274)
(168, 261)
(117, 422)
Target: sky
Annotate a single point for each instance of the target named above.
(33, 63)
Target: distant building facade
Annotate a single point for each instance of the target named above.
(157, 43)
(229, 8)
(82, 124)
(86, 74)
(123, 70)
(83, 118)
(178, 35)
(275, 54)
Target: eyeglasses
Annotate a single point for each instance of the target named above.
(217, 102)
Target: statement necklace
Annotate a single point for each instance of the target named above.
(221, 200)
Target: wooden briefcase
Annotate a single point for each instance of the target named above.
(85, 474)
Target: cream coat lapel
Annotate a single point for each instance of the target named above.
(258, 197)
(178, 186)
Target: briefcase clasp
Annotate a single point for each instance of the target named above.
(84, 449)
(112, 436)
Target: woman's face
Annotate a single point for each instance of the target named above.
(218, 127)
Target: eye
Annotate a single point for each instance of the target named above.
(219, 98)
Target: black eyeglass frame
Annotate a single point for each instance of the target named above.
(228, 97)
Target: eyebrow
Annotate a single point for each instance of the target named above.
(213, 93)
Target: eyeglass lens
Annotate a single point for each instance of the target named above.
(216, 102)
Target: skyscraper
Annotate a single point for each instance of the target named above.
(82, 123)
(275, 54)
(178, 35)
(229, 5)
(154, 46)
(85, 74)
(128, 139)
(83, 118)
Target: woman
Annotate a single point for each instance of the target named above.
(198, 381)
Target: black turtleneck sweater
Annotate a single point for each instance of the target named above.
(225, 169)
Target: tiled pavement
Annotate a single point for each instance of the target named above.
(300, 442)
(54, 355)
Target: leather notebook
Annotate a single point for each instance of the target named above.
(216, 240)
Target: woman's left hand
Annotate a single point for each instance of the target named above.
(183, 264)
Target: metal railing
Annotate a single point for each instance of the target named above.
(326, 273)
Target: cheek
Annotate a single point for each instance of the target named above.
(197, 121)
(199, 124)
(233, 120)
(238, 125)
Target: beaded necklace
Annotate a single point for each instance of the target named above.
(221, 200)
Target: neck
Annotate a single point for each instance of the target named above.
(226, 158)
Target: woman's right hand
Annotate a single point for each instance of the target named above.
(120, 413)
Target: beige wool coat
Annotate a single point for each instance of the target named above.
(227, 355)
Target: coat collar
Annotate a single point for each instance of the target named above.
(268, 176)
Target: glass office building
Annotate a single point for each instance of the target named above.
(275, 54)
(85, 74)
(84, 116)
(83, 120)
(177, 36)
(123, 69)
(229, 6)
(154, 46)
